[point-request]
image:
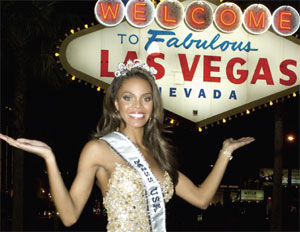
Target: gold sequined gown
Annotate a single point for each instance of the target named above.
(125, 200)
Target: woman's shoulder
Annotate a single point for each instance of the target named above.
(96, 145)
(96, 150)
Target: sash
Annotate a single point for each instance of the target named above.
(127, 150)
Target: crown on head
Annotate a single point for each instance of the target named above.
(124, 68)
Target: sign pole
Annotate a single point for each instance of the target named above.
(276, 217)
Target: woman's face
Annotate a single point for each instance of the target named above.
(134, 102)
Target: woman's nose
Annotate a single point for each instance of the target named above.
(137, 103)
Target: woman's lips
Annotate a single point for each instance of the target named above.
(137, 115)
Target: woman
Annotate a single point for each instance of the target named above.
(130, 159)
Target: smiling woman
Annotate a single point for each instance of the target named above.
(132, 161)
(134, 102)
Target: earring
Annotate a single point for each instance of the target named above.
(116, 111)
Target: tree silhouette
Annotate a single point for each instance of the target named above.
(30, 34)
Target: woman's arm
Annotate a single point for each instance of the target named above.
(69, 204)
(201, 196)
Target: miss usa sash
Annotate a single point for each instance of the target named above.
(125, 148)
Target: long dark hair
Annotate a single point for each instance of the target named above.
(153, 139)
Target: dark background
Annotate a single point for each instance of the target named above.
(65, 116)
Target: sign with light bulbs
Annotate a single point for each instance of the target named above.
(212, 61)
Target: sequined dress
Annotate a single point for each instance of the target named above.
(125, 200)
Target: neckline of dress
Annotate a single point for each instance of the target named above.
(143, 157)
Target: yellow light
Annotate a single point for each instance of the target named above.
(247, 111)
(294, 94)
(172, 121)
(56, 54)
(290, 138)
(73, 78)
(270, 103)
(224, 120)
(86, 26)
(72, 31)
(98, 89)
(199, 129)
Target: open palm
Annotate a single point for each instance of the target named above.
(33, 146)
(231, 144)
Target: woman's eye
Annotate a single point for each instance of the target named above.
(147, 99)
(126, 98)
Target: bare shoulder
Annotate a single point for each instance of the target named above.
(95, 151)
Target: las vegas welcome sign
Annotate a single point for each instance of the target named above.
(213, 60)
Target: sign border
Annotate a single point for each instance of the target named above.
(213, 119)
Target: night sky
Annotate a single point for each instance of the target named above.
(64, 118)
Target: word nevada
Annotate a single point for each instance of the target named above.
(198, 16)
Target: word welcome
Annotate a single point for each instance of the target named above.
(198, 16)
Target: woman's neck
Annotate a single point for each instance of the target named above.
(135, 135)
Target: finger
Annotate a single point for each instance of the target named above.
(24, 146)
(4, 137)
(29, 141)
(248, 140)
(244, 141)
(7, 138)
(12, 142)
(15, 142)
(33, 142)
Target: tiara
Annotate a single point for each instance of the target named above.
(124, 68)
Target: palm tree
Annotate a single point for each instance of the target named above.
(30, 33)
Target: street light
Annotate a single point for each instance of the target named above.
(290, 138)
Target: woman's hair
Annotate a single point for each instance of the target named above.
(153, 138)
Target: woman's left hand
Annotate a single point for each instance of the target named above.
(231, 144)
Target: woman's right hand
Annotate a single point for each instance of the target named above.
(33, 146)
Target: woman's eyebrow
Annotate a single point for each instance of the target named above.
(128, 92)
